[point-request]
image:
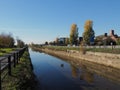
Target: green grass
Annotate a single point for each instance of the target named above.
(22, 77)
(64, 48)
(105, 50)
(6, 50)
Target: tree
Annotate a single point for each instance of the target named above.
(20, 43)
(66, 41)
(74, 34)
(6, 40)
(88, 34)
(57, 41)
(46, 43)
(118, 41)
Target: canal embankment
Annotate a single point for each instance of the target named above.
(107, 59)
(22, 76)
(57, 73)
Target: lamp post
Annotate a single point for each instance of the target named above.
(112, 45)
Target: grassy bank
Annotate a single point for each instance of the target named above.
(22, 77)
(5, 50)
(65, 48)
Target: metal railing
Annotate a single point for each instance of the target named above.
(8, 61)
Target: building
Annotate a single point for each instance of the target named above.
(113, 36)
(107, 39)
(61, 41)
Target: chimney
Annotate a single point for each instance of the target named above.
(105, 34)
(111, 32)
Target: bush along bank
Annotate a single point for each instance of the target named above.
(22, 77)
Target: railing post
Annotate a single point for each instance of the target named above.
(19, 53)
(14, 60)
(0, 77)
(17, 56)
(9, 65)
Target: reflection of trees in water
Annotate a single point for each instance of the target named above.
(109, 73)
(86, 75)
(75, 72)
(36, 49)
(112, 74)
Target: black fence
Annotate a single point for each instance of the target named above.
(9, 61)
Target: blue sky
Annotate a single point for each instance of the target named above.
(43, 20)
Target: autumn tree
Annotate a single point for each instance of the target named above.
(73, 34)
(88, 34)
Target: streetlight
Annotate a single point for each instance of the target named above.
(112, 45)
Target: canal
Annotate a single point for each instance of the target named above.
(56, 74)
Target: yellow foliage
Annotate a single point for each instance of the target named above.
(73, 28)
(88, 25)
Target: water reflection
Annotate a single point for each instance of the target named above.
(109, 73)
(83, 75)
(57, 74)
(86, 75)
(75, 71)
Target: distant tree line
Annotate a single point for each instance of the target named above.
(20, 43)
(88, 35)
(7, 41)
(87, 38)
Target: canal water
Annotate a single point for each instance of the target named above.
(56, 74)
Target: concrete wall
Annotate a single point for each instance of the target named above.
(112, 60)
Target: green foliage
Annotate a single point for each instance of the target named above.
(88, 32)
(73, 34)
(6, 50)
(118, 41)
(20, 43)
(46, 43)
(104, 50)
(67, 41)
(84, 50)
(22, 77)
(71, 39)
(57, 41)
(6, 40)
(61, 48)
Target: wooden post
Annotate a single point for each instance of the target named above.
(9, 65)
(17, 57)
(14, 60)
(0, 77)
